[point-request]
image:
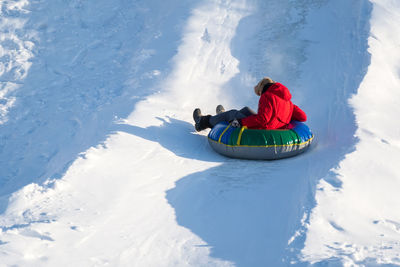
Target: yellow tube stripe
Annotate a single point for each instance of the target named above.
(220, 137)
(240, 135)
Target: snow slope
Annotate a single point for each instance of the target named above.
(359, 221)
(100, 165)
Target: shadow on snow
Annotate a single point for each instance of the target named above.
(92, 63)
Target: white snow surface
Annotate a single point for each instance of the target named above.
(359, 221)
(100, 164)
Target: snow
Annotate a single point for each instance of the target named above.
(359, 221)
(15, 52)
(100, 164)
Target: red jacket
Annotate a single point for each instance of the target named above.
(275, 110)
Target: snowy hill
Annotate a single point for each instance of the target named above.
(100, 164)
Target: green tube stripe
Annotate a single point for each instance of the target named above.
(234, 137)
(253, 137)
(308, 141)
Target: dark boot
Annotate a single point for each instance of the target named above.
(197, 115)
(201, 122)
(220, 109)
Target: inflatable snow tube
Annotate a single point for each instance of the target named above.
(260, 144)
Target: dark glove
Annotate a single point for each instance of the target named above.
(235, 123)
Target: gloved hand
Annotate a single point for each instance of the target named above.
(235, 123)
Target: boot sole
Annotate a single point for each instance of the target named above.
(196, 115)
(220, 109)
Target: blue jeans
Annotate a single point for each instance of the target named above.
(230, 115)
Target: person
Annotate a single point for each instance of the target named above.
(275, 110)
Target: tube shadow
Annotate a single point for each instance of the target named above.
(175, 135)
(245, 211)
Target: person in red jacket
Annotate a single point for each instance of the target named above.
(275, 110)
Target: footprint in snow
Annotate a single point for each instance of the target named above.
(206, 36)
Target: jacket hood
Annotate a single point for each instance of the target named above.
(280, 90)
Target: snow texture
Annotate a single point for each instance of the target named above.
(100, 164)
